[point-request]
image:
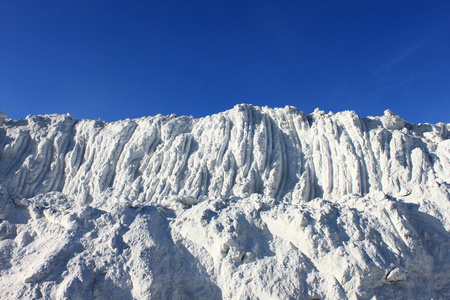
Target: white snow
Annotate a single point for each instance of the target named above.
(251, 203)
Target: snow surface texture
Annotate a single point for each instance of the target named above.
(251, 203)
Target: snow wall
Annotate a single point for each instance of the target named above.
(253, 202)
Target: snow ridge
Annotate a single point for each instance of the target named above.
(253, 202)
(275, 152)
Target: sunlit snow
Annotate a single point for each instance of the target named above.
(250, 203)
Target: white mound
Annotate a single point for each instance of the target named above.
(251, 203)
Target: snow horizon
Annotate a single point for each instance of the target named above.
(4, 115)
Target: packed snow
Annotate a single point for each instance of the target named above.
(250, 203)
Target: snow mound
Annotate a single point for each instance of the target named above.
(251, 203)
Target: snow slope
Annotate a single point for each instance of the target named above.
(251, 203)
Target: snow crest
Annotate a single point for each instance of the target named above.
(253, 202)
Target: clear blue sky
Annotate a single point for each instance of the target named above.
(126, 59)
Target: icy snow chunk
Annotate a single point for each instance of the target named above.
(388, 113)
(392, 121)
(395, 275)
(318, 112)
(6, 230)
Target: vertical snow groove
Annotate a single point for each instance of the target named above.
(13, 155)
(226, 139)
(284, 169)
(248, 141)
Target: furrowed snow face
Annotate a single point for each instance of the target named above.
(251, 203)
(275, 152)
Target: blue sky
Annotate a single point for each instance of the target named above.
(126, 59)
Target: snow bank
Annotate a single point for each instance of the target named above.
(252, 203)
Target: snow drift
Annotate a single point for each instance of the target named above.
(253, 203)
